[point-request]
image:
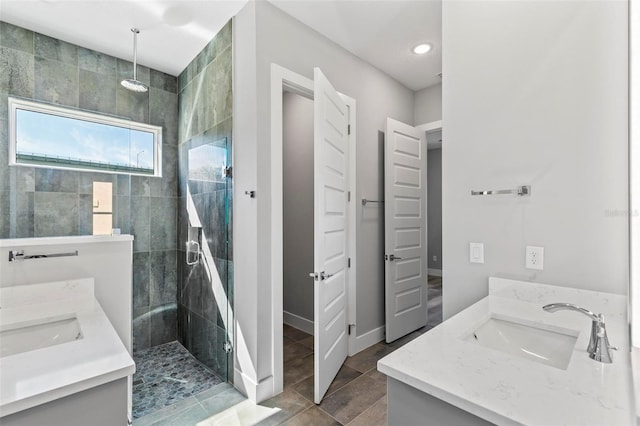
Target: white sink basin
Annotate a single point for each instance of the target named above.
(545, 345)
(36, 336)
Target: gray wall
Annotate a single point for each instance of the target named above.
(205, 117)
(37, 202)
(297, 182)
(265, 35)
(434, 207)
(535, 93)
(378, 97)
(427, 105)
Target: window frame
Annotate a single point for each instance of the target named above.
(15, 104)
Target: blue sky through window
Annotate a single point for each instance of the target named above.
(56, 136)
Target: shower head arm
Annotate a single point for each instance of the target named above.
(135, 32)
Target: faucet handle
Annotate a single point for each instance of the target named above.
(599, 346)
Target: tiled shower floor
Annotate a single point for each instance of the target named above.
(166, 374)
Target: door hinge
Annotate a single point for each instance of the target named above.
(349, 328)
(348, 195)
(348, 129)
(349, 262)
(226, 346)
(228, 172)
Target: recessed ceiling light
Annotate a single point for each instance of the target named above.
(422, 48)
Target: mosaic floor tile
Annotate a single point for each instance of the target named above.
(167, 374)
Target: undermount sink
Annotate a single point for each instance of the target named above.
(37, 336)
(545, 345)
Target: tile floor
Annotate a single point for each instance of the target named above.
(357, 396)
(166, 374)
(434, 301)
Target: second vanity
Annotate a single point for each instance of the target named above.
(466, 370)
(61, 361)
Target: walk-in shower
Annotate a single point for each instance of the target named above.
(182, 314)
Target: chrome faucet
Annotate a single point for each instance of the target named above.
(599, 348)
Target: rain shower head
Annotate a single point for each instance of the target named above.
(134, 84)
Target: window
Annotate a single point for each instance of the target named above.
(102, 208)
(44, 135)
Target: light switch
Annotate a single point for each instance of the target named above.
(476, 252)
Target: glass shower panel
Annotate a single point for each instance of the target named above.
(204, 303)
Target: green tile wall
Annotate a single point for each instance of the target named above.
(205, 118)
(38, 202)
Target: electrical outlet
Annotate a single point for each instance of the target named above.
(534, 258)
(435, 258)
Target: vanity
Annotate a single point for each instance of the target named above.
(62, 361)
(65, 330)
(505, 360)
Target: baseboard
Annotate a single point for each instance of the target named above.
(368, 339)
(256, 392)
(435, 272)
(298, 322)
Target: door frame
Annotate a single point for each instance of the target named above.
(429, 128)
(284, 80)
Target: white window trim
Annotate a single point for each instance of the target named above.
(23, 104)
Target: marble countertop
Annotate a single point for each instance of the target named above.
(35, 377)
(505, 389)
(76, 239)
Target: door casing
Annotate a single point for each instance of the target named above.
(283, 80)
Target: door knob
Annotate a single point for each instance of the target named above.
(324, 276)
(394, 257)
(320, 276)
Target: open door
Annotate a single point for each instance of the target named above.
(405, 210)
(330, 233)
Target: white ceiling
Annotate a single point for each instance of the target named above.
(382, 32)
(172, 32)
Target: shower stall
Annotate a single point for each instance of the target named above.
(204, 261)
(180, 218)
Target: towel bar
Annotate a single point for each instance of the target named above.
(19, 255)
(521, 191)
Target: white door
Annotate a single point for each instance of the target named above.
(405, 210)
(330, 233)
